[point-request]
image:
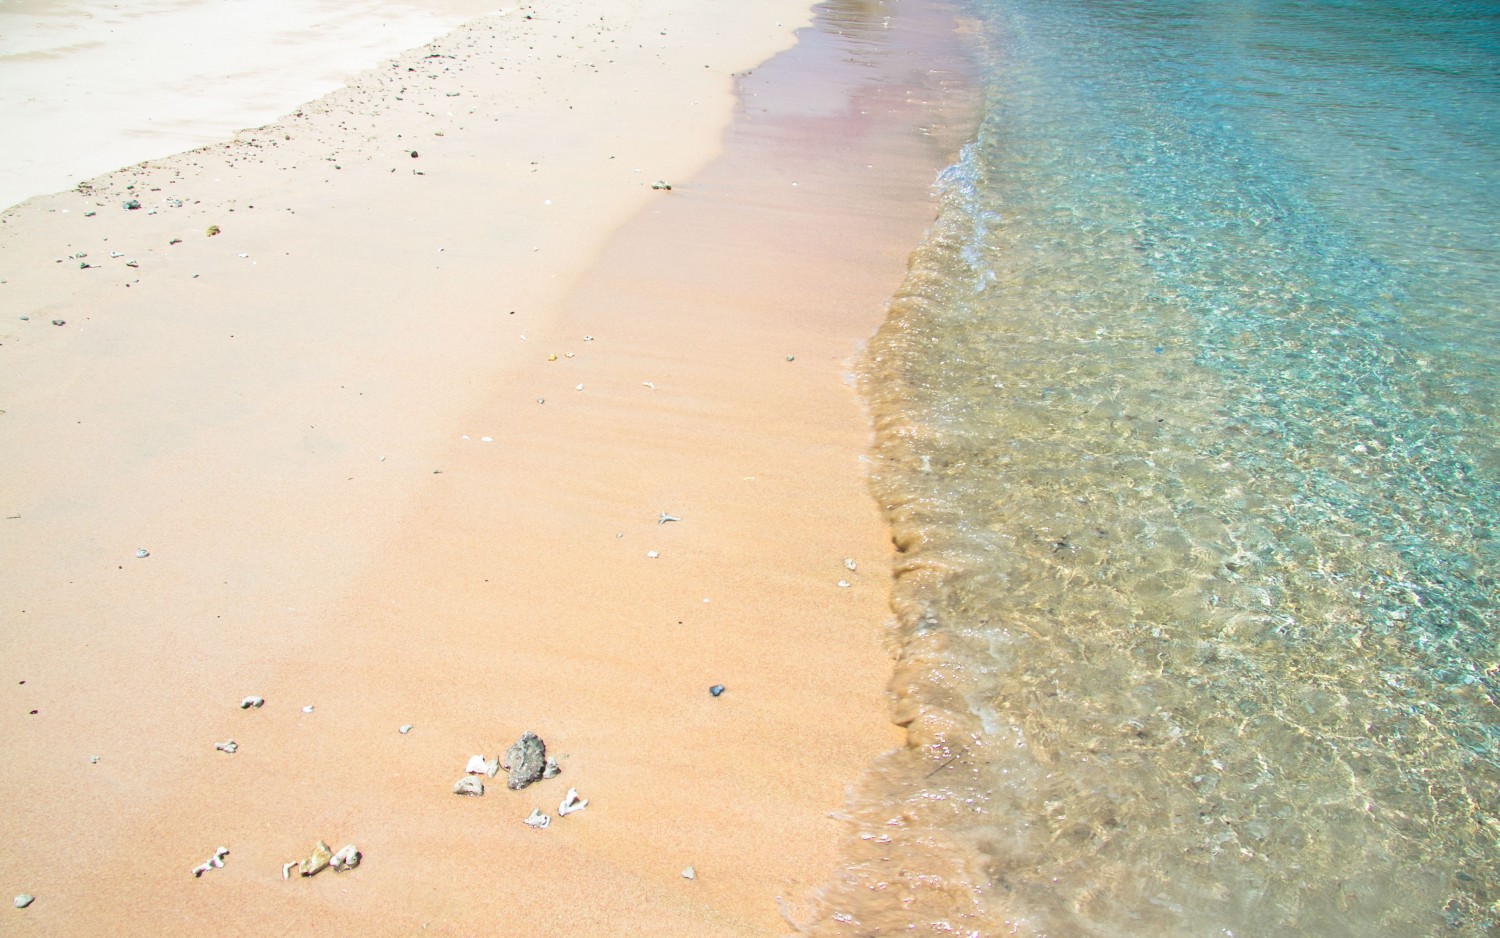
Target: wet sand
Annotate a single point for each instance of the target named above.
(366, 485)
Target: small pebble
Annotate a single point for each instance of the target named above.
(308, 709)
(143, 553)
(652, 554)
(405, 728)
(93, 760)
(229, 746)
(850, 564)
(689, 873)
(23, 900)
(252, 703)
(716, 690)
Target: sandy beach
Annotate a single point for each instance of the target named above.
(376, 411)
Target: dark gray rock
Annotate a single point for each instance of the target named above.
(524, 761)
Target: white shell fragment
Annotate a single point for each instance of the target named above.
(308, 709)
(571, 803)
(286, 869)
(252, 703)
(550, 769)
(23, 900)
(468, 785)
(664, 518)
(215, 862)
(346, 859)
(537, 819)
(689, 873)
(143, 553)
(404, 729)
(843, 584)
(476, 766)
(653, 554)
(850, 564)
(229, 746)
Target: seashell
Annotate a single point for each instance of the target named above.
(476, 766)
(537, 819)
(468, 785)
(404, 729)
(317, 861)
(229, 746)
(143, 553)
(850, 564)
(286, 869)
(346, 859)
(252, 703)
(492, 768)
(525, 760)
(689, 873)
(843, 584)
(653, 554)
(663, 518)
(571, 802)
(23, 900)
(308, 709)
(551, 769)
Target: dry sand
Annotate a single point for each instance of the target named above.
(365, 485)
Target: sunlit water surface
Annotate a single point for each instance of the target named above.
(1190, 438)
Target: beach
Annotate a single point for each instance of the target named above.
(506, 388)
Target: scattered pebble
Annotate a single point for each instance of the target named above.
(843, 584)
(405, 728)
(215, 862)
(578, 388)
(551, 769)
(59, 322)
(525, 761)
(308, 709)
(662, 184)
(716, 690)
(653, 554)
(571, 802)
(229, 746)
(537, 819)
(132, 205)
(93, 760)
(468, 785)
(346, 859)
(791, 358)
(23, 900)
(143, 553)
(252, 703)
(850, 564)
(689, 873)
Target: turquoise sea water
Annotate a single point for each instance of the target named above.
(1189, 434)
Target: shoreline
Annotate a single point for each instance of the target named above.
(291, 417)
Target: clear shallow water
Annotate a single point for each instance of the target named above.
(1189, 433)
